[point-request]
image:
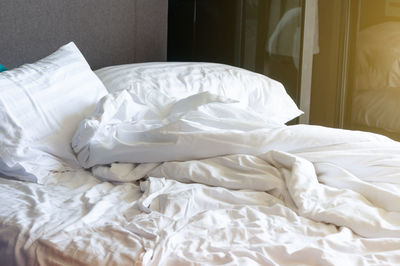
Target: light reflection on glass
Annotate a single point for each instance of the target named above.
(375, 95)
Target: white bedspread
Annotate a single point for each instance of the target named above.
(295, 195)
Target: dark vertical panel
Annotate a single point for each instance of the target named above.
(354, 21)
(330, 64)
(181, 34)
(262, 20)
(248, 56)
(215, 31)
(239, 40)
(203, 30)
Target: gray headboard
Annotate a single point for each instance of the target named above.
(108, 32)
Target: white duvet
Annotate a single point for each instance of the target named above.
(249, 193)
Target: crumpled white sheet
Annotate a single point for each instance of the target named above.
(293, 195)
(122, 129)
(328, 196)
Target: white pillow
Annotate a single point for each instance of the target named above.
(150, 82)
(41, 105)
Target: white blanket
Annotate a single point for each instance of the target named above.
(295, 195)
(122, 129)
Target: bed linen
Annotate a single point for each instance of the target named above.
(309, 195)
(156, 83)
(41, 105)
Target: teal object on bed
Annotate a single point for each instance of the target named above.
(2, 68)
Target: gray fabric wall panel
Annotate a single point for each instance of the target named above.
(151, 29)
(108, 32)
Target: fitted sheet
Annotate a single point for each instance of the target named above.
(314, 196)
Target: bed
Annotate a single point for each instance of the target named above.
(176, 163)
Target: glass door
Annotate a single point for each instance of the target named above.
(274, 43)
(374, 90)
(276, 38)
